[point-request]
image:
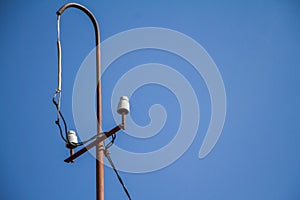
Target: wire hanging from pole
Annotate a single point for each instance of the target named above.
(59, 56)
(57, 122)
(106, 153)
(57, 96)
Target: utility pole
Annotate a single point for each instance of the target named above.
(99, 145)
(71, 138)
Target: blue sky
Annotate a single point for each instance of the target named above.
(255, 45)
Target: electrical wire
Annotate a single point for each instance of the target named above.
(57, 122)
(74, 145)
(58, 92)
(106, 153)
(113, 136)
(58, 56)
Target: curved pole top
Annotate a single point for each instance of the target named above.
(86, 11)
(99, 146)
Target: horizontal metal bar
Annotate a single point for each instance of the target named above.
(91, 145)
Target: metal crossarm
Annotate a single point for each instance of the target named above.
(100, 138)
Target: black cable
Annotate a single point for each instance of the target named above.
(113, 137)
(66, 139)
(60, 130)
(106, 153)
(86, 141)
(119, 177)
(57, 122)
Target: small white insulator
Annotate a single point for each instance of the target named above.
(123, 107)
(72, 136)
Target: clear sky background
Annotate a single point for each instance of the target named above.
(255, 45)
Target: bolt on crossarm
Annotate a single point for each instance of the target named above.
(99, 145)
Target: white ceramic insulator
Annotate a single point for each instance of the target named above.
(123, 107)
(72, 136)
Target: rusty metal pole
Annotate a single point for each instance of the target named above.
(99, 146)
